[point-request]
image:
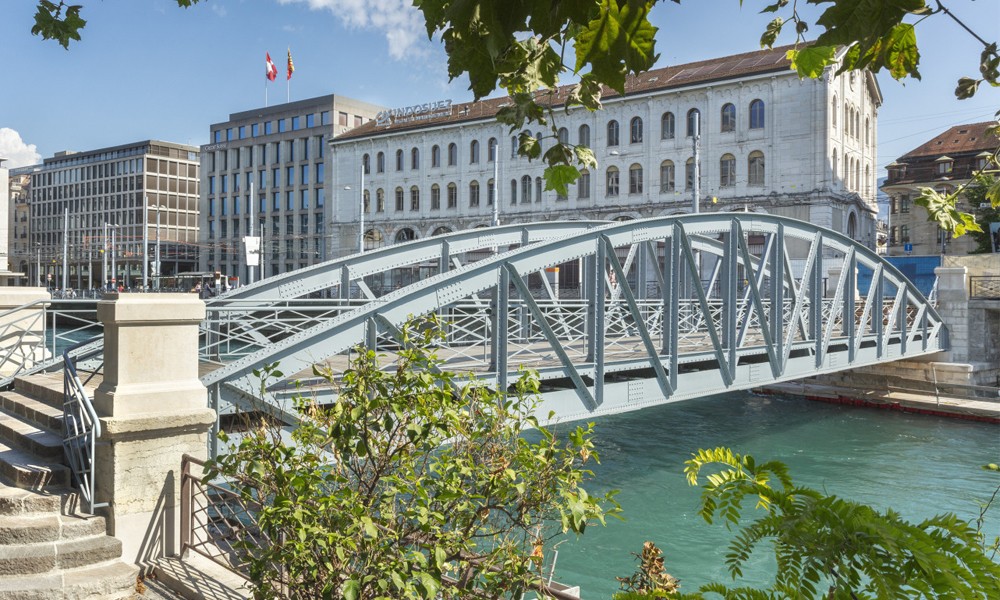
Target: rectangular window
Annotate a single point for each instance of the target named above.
(304, 142)
(320, 198)
(222, 205)
(275, 177)
(342, 119)
(304, 199)
(399, 198)
(216, 136)
(229, 134)
(583, 185)
(304, 223)
(289, 200)
(236, 205)
(281, 125)
(211, 207)
(318, 220)
(225, 183)
(321, 145)
(295, 123)
(311, 120)
(275, 202)
(290, 176)
(255, 130)
(243, 131)
(325, 117)
(304, 175)
(262, 204)
(211, 184)
(261, 179)
(290, 150)
(320, 173)
(268, 127)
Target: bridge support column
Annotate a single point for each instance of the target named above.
(953, 306)
(153, 410)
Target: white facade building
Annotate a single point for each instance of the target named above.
(770, 142)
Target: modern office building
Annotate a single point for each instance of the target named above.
(769, 142)
(943, 163)
(264, 172)
(92, 211)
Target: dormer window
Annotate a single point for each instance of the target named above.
(983, 160)
(944, 165)
(896, 171)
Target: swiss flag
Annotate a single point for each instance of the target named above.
(272, 71)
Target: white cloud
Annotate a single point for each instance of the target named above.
(17, 153)
(398, 20)
(219, 10)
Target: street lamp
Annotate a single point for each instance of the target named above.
(38, 262)
(156, 254)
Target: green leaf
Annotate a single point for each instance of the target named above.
(619, 40)
(560, 177)
(352, 589)
(771, 33)
(811, 61)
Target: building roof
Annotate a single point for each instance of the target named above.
(960, 139)
(696, 73)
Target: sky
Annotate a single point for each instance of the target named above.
(146, 69)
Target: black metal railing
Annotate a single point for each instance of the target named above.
(984, 286)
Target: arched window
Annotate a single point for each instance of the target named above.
(611, 182)
(440, 231)
(513, 191)
(452, 195)
(514, 146)
(538, 189)
(380, 200)
(435, 156)
(491, 192)
(474, 193)
(435, 197)
(405, 235)
(852, 226)
(693, 122)
(491, 150)
(414, 198)
(612, 133)
(526, 189)
(380, 163)
(399, 198)
(368, 202)
(689, 174)
(563, 135)
(755, 168)
(847, 118)
(474, 152)
(833, 112)
(667, 176)
(757, 114)
(452, 154)
(667, 126)
(635, 179)
(415, 158)
(868, 181)
(635, 131)
(366, 164)
(583, 185)
(868, 130)
(727, 170)
(399, 160)
(374, 239)
(584, 136)
(728, 118)
(857, 175)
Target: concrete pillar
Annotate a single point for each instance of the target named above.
(953, 306)
(153, 410)
(23, 329)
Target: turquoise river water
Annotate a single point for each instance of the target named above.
(919, 465)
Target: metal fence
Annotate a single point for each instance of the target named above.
(984, 286)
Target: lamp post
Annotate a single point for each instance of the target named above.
(361, 213)
(38, 262)
(145, 242)
(156, 254)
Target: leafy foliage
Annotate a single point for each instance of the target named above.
(413, 484)
(830, 547)
(943, 207)
(650, 579)
(62, 22)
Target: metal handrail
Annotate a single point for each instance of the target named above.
(224, 523)
(81, 427)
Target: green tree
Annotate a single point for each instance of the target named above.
(414, 484)
(830, 547)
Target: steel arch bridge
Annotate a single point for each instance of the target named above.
(670, 308)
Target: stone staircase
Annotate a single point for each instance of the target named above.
(48, 548)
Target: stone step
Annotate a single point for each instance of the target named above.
(43, 387)
(42, 557)
(111, 580)
(19, 501)
(197, 578)
(33, 529)
(40, 413)
(21, 433)
(24, 470)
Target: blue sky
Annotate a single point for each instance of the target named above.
(147, 69)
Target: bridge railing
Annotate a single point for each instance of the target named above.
(984, 286)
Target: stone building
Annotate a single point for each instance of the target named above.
(769, 142)
(943, 163)
(278, 156)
